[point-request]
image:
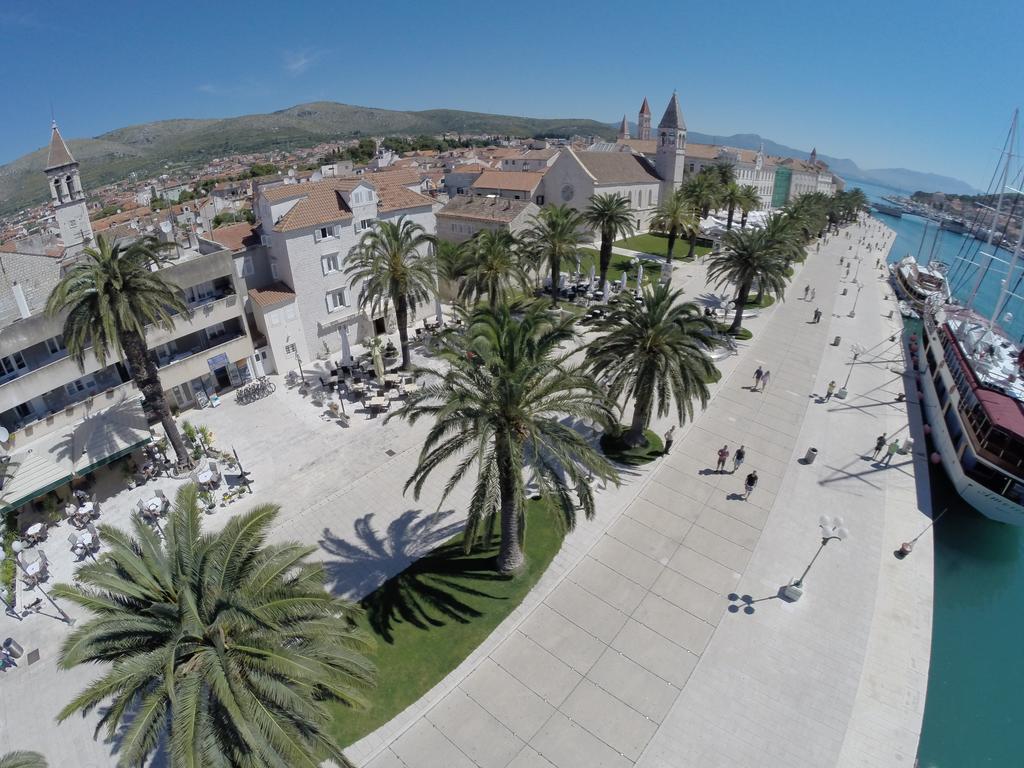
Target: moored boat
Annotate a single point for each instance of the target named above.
(920, 285)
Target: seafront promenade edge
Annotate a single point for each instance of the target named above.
(627, 652)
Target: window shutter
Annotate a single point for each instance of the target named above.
(316, 235)
(337, 230)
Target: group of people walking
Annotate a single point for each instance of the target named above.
(737, 461)
(761, 377)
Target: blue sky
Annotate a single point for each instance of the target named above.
(923, 85)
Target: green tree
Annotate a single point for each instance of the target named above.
(262, 169)
(613, 217)
(749, 200)
(673, 217)
(731, 197)
(811, 210)
(748, 255)
(394, 265)
(221, 647)
(653, 354)
(555, 235)
(451, 263)
(724, 172)
(500, 408)
(494, 268)
(110, 296)
(703, 191)
(22, 760)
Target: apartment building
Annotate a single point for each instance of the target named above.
(465, 216)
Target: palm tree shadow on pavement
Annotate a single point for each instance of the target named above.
(366, 558)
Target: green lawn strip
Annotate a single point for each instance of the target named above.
(766, 301)
(430, 617)
(632, 457)
(619, 264)
(742, 335)
(657, 244)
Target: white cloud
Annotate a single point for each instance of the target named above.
(297, 62)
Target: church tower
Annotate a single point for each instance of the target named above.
(644, 123)
(67, 195)
(814, 156)
(669, 161)
(759, 159)
(624, 129)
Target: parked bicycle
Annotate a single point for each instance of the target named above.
(255, 390)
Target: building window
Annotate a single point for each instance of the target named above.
(273, 270)
(330, 263)
(74, 387)
(247, 266)
(540, 199)
(55, 345)
(24, 410)
(363, 224)
(337, 299)
(290, 349)
(517, 197)
(323, 233)
(11, 364)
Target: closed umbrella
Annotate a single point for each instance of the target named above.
(622, 282)
(378, 359)
(639, 276)
(593, 272)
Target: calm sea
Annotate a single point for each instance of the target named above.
(975, 707)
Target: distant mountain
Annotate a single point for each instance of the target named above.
(897, 178)
(149, 148)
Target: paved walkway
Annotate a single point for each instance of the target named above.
(626, 653)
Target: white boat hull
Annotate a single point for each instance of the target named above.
(986, 501)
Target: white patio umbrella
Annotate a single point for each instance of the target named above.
(346, 349)
(378, 359)
(593, 271)
(640, 276)
(622, 282)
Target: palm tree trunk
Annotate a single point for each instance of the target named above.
(693, 245)
(741, 302)
(743, 220)
(402, 317)
(147, 379)
(606, 258)
(672, 235)
(510, 552)
(556, 273)
(732, 210)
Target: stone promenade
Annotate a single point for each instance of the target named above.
(658, 637)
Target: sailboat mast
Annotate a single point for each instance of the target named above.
(1008, 152)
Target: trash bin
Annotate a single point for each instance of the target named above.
(811, 455)
(12, 647)
(844, 292)
(835, 342)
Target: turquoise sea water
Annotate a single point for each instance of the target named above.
(975, 707)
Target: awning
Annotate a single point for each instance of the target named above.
(53, 460)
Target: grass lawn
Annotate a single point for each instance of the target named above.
(766, 301)
(619, 265)
(652, 242)
(743, 334)
(632, 457)
(431, 616)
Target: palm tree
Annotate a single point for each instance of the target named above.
(703, 192)
(725, 173)
(225, 649)
(22, 760)
(731, 197)
(674, 216)
(500, 407)
(612, 216)
(110, 296)
(749, 201)
(493, 267)
(393, 262)
(451, 262)
(748, 255)
(555, 234)
(811, 210)
(654, 353)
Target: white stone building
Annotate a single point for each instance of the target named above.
(309, 231)
(513, 185)
(463, 217)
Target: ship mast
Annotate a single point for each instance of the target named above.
(1008, 153)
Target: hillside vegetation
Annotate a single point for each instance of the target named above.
(150, 147)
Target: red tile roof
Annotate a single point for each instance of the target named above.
(236, 237)
(59, 154)
(268, 297)
(516, 181)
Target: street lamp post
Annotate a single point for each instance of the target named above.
(860, 286)
(831, 530)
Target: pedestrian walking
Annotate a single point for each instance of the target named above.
(723, 456)
(807, 290)
(668, 440)
(764, 380)
(738, 457)
(757, 377)
(817, 315)
(891, 451)
(750, 484)
(831, 390)
(879, 445)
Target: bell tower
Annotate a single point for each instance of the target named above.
(644, 121)
(624, 129)
(670, 159)
(66, 194)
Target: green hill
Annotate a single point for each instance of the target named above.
(148, 148)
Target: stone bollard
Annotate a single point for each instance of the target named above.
(811, 455)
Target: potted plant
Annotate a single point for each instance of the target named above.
(206, 497)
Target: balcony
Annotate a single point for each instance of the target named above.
(70, 415)
(205, 314)
(37, 382)
(192, 365)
